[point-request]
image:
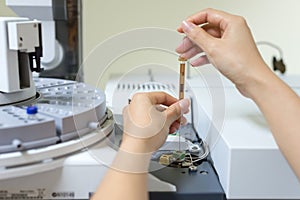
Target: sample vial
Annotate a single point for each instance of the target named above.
(31, 112)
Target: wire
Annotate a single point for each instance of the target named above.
(271, 45)
(205, 154)
(278, 64)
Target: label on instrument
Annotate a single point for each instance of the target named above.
(22, 194)
(63, 195)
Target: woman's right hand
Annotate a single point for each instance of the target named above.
(225, 41)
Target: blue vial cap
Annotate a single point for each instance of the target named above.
(31, 110)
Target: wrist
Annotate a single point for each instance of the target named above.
(256, 82)
(132, 157)
(134, 145)
(129, 162)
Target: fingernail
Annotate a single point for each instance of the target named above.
(193, 63)
(184, 56)
(187, 26)
(184, 105)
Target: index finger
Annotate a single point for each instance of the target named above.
(161, 98)
(215, 17)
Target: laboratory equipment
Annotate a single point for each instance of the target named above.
(246, 157)
(181, 87)
(56, 133)
(243, 152)
(20, 49)
(189, 168)
(59, 150)
(48, 127)
(62, 32)
(182, 77)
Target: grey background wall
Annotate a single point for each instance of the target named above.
(273, 21)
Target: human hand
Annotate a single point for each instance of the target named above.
(225, 41)
(146, 124)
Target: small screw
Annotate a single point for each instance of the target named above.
(192, 168)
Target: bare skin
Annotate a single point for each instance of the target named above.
(225, 41)
(145, 129)
(228, 44)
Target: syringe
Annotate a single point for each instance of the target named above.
(181, 84)
(181, 77)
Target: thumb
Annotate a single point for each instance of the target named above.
(197, 34)
(176, 110)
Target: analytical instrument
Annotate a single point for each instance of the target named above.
(243, 153)
(56, 134)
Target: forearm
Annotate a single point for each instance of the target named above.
(126, 178)
(281, 108)
(118, 185)
(145, 130)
